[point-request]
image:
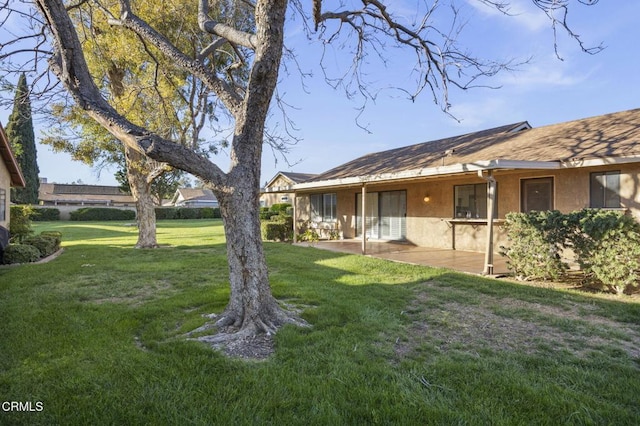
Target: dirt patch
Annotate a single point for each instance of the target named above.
(513, 325)
(259, 347)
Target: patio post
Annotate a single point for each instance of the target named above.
(491, 203)
(364, 218)
(295, 217)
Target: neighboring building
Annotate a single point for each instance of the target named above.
(194, 197)
(440, 193)
(10, 176)
(280, 188)
(58, 194)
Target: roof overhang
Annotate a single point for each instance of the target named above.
(463, 168)
(17, 179)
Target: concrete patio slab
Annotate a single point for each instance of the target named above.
(458, 260)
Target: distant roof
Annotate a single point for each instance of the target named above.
(196, 194)
(17, 180)
(294, 178)
(610, 135)
(63, 192)
(298, 177)
(72, 188)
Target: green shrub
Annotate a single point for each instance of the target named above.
(20, 222)
(274, 231)
(42, 214)
(102, 213)
(45, 244)
(279, 228)
(536, 241)
(280, 208)
(188, 213)
(170, 213)
(166, 213)
(606, 245)
(207, 213)
(267, 214)
(20, 253)
(57, 235)
(310, 235)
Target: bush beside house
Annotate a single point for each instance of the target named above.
(276, 224)
(605, 244)
(25, 247)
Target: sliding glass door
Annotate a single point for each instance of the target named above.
(386, 215)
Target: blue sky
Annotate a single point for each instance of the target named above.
(545, 91)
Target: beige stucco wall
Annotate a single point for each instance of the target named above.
(5, 183)
(267, 199)
(429, 224)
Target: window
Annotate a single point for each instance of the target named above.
(3, 204)
(323, 207)
(284, 199)
(604, 190)
(537, 194)
(471, 201)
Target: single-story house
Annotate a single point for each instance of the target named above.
(441, 193)
(10, 176)
(194, 197)
(64, 194)
(280, 188)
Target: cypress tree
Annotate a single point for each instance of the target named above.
(21, 137)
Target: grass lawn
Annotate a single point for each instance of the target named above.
(95, 337)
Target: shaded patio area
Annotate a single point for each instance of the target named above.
(458, 260)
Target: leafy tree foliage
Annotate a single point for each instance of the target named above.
(21, 137)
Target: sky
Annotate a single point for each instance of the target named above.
(544, 91)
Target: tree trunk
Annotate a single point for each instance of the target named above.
(251, 309)
(141, 191)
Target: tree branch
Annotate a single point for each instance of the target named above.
(69, 66)
(223, 90)
(228, 33)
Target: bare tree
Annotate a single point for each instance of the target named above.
(365, 25)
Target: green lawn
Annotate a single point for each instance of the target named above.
(95, 338)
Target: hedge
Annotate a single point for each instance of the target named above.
(606, 245)
(42, 214)
(46, 244)
(32, 248)
(170, 213)
(102, 213)
(20, 253)
(20, 222)
(278, 228)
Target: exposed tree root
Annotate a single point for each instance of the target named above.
(249, 338)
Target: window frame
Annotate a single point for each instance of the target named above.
(323, 207)
(3, 204)
(524, 192)
(603, 199)
(475, 213)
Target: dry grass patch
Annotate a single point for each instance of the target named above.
(509, 324)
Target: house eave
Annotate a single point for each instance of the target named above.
(453, 169)
(16, 176)
(599, 161)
